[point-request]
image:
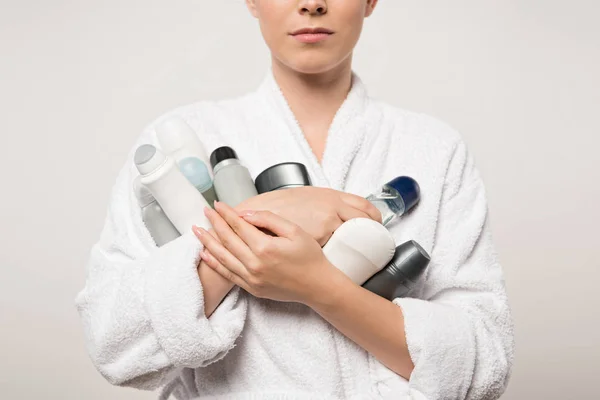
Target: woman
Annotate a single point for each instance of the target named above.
(236, 313)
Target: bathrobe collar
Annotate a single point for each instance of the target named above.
(345, 136)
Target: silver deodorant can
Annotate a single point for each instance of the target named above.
(232, 181)
(282, 176)
(159, 225)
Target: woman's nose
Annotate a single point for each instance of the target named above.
(313, 7)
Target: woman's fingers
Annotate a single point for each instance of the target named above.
(362, 204)
(214, 234)
(272, 222)
(213, 263)
(229, 239)
(245, 231)
(220, 253)
(347, 213)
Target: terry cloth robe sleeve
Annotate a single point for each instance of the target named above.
(142, 306)
(460, 333)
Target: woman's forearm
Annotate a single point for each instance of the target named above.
(372, 322)
(215, 288)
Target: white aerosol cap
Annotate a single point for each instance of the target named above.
(174, 133)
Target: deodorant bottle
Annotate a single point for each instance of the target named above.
(179, 199)
(178, 140)
(197, 173)
(360, 247)
(401, 275)
(160, 227)
(233, 183)
(396, 198)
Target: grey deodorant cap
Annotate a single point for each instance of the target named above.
(402, 272)
(144, 153)
(148, 158)
(281, 176)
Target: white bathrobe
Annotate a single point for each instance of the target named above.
(143, 308)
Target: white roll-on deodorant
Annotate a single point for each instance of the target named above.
(179, 199)
(360, 248)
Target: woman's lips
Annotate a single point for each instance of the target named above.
(311, 36)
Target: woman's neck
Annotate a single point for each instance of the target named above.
(314, 99)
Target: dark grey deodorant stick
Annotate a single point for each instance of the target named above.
(402, 273)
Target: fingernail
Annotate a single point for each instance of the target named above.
(196, 230)
(246, 213)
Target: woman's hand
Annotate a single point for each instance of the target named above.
(287, 267)
(318, 211)
(292, 267)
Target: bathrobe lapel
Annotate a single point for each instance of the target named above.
(345, 137)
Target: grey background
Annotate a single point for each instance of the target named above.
(79, 79)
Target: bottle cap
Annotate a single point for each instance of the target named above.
(148, 158)
(142, 193)
(408, 189)
(410, 259)
(173, 133)
(282, 175)
(221, 154)
(196, 172)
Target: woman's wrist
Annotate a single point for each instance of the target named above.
(214, 288)
(328, 289)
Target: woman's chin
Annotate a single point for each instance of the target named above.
(312, 66)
